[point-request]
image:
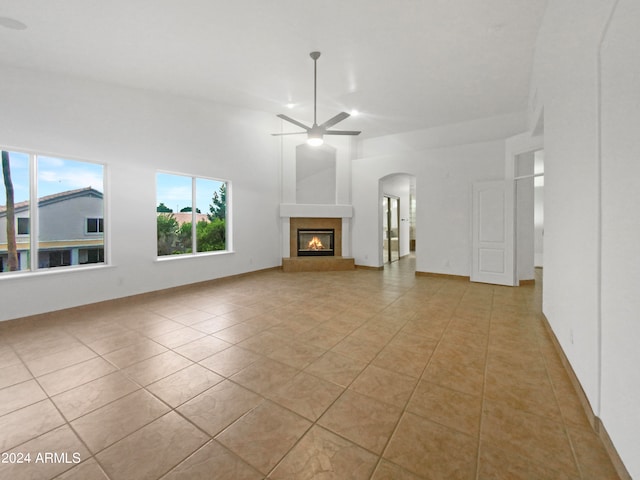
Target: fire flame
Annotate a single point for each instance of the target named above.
(315, 244)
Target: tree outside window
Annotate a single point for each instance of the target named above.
(191, 196)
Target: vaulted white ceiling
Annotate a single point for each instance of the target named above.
(404, 64)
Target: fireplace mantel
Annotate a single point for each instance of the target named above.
(289, 210)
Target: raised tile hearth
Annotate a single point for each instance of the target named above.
(317, 264)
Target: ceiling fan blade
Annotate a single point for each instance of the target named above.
(342, 132)
(332, 121)
(291, 120)
(290, 133)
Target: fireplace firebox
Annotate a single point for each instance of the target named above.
(315, 242)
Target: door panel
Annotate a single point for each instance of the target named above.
(492, 218)
(491, 211)
(491, 260)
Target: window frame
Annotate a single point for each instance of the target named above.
(194, 244)
(99, 225)
(28, 232)
(34, 214)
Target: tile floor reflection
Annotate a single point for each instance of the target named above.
(333, 375)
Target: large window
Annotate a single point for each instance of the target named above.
(58, 213)
(184, 201)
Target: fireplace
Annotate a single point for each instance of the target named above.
(324, 227)
(316, 242)
(304, 257)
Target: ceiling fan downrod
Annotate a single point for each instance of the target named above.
(315, 56)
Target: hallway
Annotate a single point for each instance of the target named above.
(345, 375)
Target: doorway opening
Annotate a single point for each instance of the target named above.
(391, 229)
(397, 217)
(529, 221)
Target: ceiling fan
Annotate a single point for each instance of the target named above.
(317, 132)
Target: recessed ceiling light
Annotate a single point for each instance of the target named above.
(355, 113)
(12, 23)
(290, 105)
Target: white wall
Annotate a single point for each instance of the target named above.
(566, 86)
(473, 131)
(590, 98)
(620, 127)
(443, 201)
(538, 226)
(135, 133)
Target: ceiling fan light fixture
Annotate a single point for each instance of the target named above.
(315, 140)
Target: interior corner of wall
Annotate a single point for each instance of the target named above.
(535, 122)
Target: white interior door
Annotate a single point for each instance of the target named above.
(493, 233)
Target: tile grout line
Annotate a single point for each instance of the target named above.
(484, 385)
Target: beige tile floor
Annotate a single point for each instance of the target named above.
(344, 375)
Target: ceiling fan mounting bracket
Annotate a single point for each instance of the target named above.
(315, 55)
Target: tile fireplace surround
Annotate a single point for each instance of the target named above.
(336, 262)
(315, 223)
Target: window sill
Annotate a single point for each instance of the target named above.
(53, 271)
(169, 258)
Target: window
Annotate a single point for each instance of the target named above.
(23, 226)
(95, 225)
(183, 201)
(59, 221)
(91, 255)
(54, 258)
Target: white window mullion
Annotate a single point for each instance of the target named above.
(194, 247)
(106, 215)
(228, 242)
(33, 211)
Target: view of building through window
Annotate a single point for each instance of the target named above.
(67, 225)
(183, 201)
